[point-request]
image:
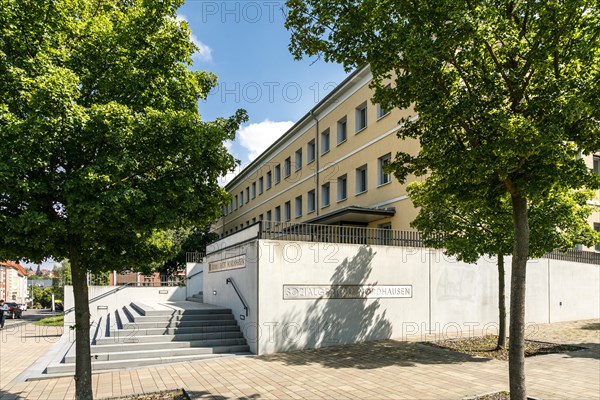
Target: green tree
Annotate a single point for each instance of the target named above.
(191, 240)
(102, 145)
(507, 96)
(471, 229)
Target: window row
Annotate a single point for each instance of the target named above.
(361, 186)
(274, 176)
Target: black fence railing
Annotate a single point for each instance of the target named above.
(587, 257)
(194, 256)
(339, 234)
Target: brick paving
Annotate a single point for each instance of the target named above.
(381, 370)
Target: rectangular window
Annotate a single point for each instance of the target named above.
(325, 141)
(342, 188)
(298, 206)
(310, 152)
(269, 180)
(277, 173)
(253, 190)
(298, 159)
(247, 194)
(361, 179)
(382, 162)
(254, 220)
(597, 165)
(231, 205)
(268, 222)
(287, 211)
(235, 202)
(287, 167)
(260, 217)
(241, 198)
(260, 185)
(325, 195)
(277, 215)
(382, 111)
(361, 117)
(342, 133)
(310, 204)
(597, 228)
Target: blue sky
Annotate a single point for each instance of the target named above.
(246, 45)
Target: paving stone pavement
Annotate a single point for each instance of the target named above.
(381, 370)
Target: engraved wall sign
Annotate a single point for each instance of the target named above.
(227, 264)
(301, 292)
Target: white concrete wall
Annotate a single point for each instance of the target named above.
(195, 278)
(447, 296)
(218, 292)
(246, 234)
(102, 307)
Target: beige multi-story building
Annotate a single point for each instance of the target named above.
(13, 282)
(328, 168)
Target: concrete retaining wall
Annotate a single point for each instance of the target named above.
(100, 308)
(446, 295)
(195, 278)
(218, 291)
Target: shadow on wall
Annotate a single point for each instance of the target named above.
(330, 322)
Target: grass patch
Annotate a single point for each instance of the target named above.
(165, 395)
(486, 347)
(52, 321)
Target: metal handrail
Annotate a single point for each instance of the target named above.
(193, 275)
(103, 295)
(230, 280)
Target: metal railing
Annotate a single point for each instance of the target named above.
(586, 257)
(230, 280)
(103, 295)
(339, 234)
(194, 256)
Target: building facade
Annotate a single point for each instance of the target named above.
(328, 168)
(13, 282)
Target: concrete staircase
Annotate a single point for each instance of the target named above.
(143, 334)
(197, 298)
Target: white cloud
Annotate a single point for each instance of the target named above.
(204, 52)
(257, 137)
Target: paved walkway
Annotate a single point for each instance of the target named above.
(381, 370)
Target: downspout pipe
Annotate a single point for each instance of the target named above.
(317, 153)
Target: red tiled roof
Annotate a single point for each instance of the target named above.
(16, 266)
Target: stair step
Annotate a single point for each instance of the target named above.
(174, 330)
(143, 346)
(175, 318)
(196, 299)
(165, 311)
(131, 336)
(161, 353)
(178, 324)
(140, 362)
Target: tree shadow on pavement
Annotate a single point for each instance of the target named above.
(202, 394)
(373, 355)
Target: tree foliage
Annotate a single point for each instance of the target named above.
(101, 143)
(507, 95)
(471, 229)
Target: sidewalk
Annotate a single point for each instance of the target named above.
(381, 370)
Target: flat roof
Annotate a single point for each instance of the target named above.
(356, 73)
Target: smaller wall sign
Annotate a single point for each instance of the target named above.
(301, 292)
(227, 264)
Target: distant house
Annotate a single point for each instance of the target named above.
(13, 282)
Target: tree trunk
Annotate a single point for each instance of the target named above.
(501, 304)
(83, 357)
(516, 351)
